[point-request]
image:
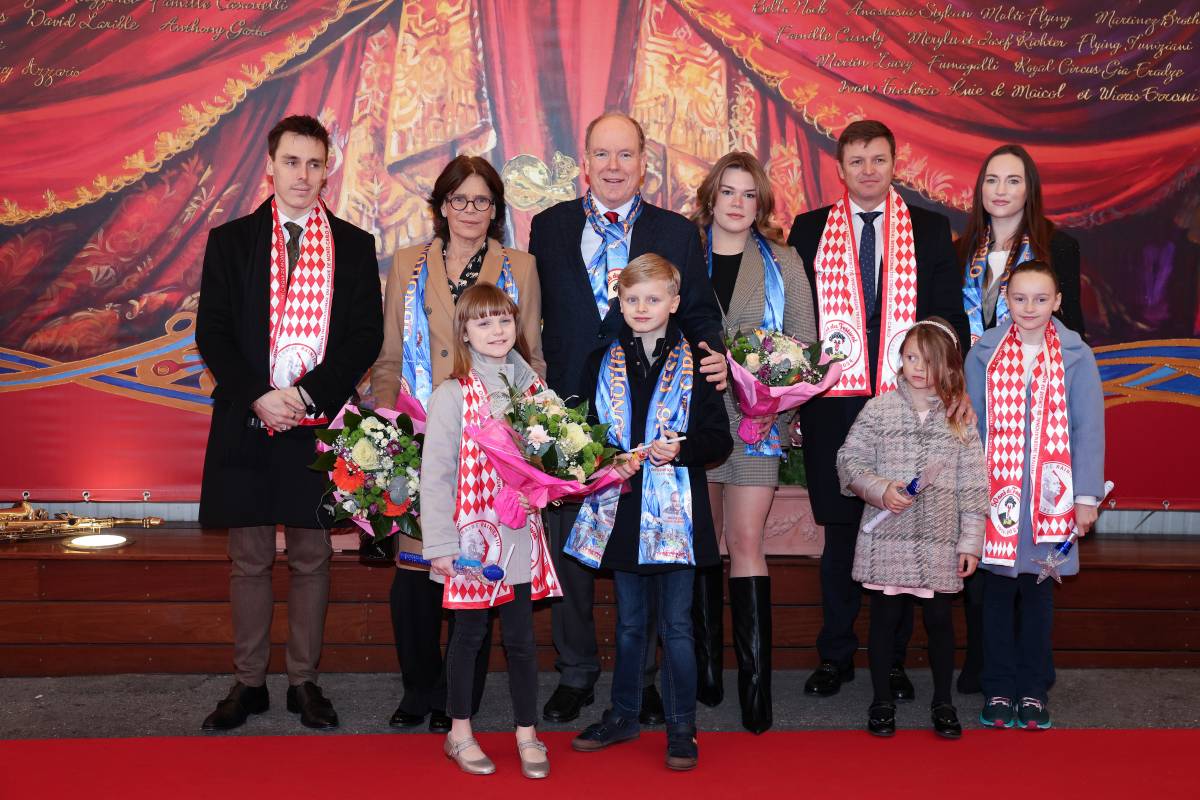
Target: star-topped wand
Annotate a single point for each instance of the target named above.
(1058, 555)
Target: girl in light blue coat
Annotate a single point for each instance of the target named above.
(1036, 389)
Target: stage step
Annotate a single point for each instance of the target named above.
(161, 605)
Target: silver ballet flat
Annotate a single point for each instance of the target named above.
(479, 766)
(533, 769)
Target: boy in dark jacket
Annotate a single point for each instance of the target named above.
(647, 387)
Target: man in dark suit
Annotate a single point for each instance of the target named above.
(875, 255)
(290, 317)
(580, 247)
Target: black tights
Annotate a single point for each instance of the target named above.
(886, 614)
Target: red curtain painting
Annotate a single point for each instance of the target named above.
(131, 130)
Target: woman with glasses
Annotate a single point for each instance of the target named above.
(423, 287)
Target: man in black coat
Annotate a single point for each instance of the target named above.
(866, 154)
(290, 318)
(580, 247)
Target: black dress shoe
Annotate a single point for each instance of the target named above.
(403, 719)
(945, 721)
(238, 705)
(828, 679)
(439, 722)
(315, 711)
(564, 705)
(881, 719)
(901, 686)
(652, 707)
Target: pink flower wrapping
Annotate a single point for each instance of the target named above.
(756, 399)
(522, 479)
(407, 404)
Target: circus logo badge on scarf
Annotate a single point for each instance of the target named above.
(299, 307)
(478, 525)
(772, 320)
(613, 254)
(976, 282)
(666, 513)
(1052, 506)
(416, 370)
(840, 297)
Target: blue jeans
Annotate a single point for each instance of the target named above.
(674, 595)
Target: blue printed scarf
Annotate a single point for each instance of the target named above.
(613, 254)
(666, 514)
(976, 281)
(772, 320)
(416, 369)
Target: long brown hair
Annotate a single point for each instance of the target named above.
(707, 194)
(943, 362)
(1033, 219)
(479, 301)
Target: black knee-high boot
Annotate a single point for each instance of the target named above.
(750, 602)
(708, 606)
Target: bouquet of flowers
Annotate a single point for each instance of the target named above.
(543, 451)
(373, 458)
(773, 372)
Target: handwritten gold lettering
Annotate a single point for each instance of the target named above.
(817, 34)
(40, 19)
(5, 74)
(45, 76)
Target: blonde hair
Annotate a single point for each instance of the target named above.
(938, 344)
(479, 301)
(649, 267)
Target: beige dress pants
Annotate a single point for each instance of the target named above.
(253, 554)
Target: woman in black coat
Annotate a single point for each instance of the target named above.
(1006, 226)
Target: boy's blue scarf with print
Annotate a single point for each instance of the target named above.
(666, 513)
(976, 280)
(613, 254)
(772, 320)
(416, 368)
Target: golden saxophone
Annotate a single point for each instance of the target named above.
(23, 522)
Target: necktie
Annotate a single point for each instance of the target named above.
(612, 216)
(866, 262)
(293, 246)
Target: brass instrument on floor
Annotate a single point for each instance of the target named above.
(23, 522)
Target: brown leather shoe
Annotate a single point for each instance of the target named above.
(315, 711)
(236, 708)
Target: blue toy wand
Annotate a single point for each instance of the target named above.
(1058, 555)
(491, 572)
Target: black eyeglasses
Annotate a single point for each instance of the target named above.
(459, 202)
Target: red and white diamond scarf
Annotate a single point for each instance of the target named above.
(840, 296)
(1052, 506)
(479, 527)
(300, 308)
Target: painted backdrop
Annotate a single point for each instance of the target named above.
(131, 127)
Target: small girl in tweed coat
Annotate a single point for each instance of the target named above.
(931, 542)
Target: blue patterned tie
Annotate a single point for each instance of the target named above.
(866, 261)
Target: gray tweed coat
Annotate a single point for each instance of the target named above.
(919, 547)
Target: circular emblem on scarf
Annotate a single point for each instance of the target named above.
(1006, 510)
(893, 349)
(842, 340)
(480, 541)
(292, 362)
(1057, 495)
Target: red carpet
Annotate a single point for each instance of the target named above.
(1096, 764)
